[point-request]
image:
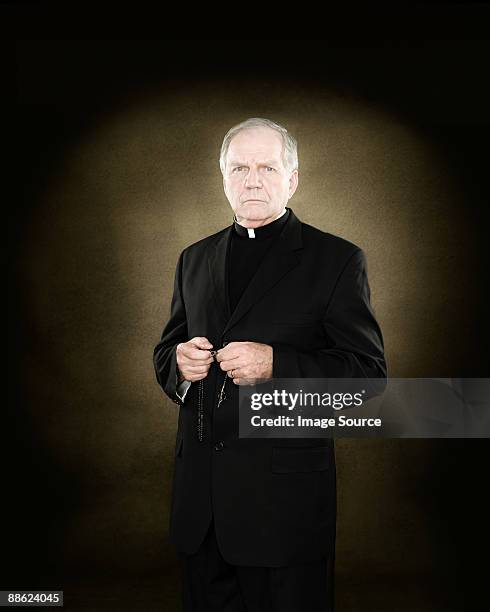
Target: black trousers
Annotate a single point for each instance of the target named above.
(210, 584)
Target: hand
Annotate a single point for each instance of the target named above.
(194, 359)
(246, 362)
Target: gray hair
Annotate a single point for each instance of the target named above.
(290, 146)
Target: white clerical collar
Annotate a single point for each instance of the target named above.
(251, 231)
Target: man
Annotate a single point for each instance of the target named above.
(268, 296)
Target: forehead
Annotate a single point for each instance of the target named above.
(256, 143)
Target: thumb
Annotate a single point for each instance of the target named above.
(202, 343)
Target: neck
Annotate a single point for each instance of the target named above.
(252, 224)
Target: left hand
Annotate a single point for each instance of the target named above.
(246, 362)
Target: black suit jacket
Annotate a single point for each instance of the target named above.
(273, 501)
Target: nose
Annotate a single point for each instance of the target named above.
(252, 179)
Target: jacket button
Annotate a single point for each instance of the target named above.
(219, 446)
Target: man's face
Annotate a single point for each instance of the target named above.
(256, 182)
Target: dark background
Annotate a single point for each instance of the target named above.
(427, 68)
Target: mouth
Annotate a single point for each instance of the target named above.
(253, 200)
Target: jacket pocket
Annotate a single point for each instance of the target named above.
(289, 459)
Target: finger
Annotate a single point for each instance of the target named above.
(196, 377)
(190, 352)
(192, 376)
(232, 364)
(195, 369)
(201, 342)
(244, 380)
(230, 351)
(183, 360)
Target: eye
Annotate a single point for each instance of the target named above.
(270, 169)
(237, 169)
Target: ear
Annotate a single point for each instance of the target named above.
(293, 183)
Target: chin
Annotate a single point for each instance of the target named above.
(255, 212)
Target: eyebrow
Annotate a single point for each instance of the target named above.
(269, 162)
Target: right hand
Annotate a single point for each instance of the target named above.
(194, 359)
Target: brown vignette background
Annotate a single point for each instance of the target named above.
(121, 174)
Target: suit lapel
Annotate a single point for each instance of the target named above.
(217, 259)
(282, 257)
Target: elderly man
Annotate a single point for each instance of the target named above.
(268, 296)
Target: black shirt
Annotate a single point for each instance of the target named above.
(246, 253)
